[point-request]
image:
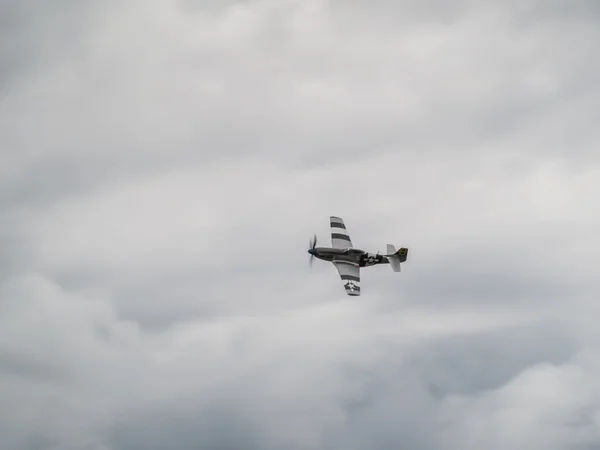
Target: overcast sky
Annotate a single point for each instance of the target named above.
(164, 164)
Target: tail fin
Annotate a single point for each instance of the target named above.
(396, 257)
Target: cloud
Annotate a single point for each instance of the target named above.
(559, 399)
(31, 34)
(165, 165)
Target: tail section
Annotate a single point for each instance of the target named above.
(396, 256)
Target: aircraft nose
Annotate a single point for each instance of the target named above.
(312, 251)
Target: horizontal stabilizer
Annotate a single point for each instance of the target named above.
(395, 264)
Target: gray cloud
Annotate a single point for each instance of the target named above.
(34, 36)
(164, 167)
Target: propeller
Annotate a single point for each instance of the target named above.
(311, 246)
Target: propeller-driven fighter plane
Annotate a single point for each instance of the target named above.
(348, 260)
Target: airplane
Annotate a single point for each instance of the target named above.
(348, 260)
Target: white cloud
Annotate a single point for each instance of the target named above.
(164, 171)
(546, 406)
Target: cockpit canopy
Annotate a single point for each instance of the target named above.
(356, 251)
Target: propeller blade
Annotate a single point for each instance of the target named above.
(311, 245)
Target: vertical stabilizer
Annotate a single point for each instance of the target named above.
(396, 256)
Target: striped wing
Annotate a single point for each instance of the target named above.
(350, 275)
(339, 235)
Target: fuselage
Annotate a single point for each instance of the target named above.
(355, 255)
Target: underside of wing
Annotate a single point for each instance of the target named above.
(339, 235)
(350, 275)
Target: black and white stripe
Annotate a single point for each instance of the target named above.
(340, 238)
(350, 277)
(343, 237)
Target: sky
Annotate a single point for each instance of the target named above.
(164, 165)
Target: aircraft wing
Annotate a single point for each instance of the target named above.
(339, 235)
(350, 275)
